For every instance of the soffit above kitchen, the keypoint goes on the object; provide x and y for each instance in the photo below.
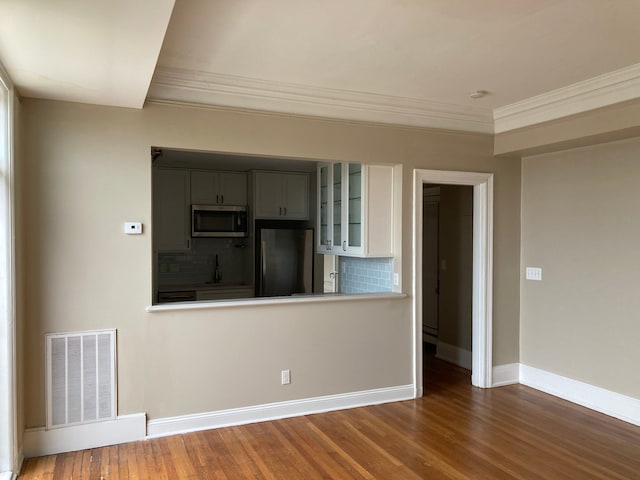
(192, 159)
(390, 61)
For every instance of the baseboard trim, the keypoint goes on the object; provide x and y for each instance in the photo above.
(507, 374)
(595, 398)
(452, 354)
(273, 411)
(8, 476)
(126, 428)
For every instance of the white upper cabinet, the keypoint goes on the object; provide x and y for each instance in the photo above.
(355, 209)
(281, 195)
(171, 210)
(218, 188)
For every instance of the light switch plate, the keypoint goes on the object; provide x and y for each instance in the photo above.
(533, 273)
(133, 228)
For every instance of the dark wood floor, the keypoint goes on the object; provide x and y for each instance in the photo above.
(455, 431)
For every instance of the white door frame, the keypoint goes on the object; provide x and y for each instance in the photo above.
(482, 314)
(8, 414)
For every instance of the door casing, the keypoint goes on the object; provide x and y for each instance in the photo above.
(482, 313)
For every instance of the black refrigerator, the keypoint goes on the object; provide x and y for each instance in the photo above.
(284, 260)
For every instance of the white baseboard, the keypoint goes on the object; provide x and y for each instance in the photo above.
(127, 428)
(507, 374)
(596, 398)
(8, 476)
(452, 354)
(272, 411)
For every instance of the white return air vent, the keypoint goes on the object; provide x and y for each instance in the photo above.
(80, 377)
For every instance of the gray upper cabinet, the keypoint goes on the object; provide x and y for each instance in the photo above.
(218, 188)
(171, 210)
(281, 195)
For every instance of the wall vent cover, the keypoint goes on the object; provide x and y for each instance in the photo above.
(80, 377)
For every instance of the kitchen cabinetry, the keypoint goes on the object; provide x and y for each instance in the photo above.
(218, 188)
(171, 210)
(280, 195)
(355, 210)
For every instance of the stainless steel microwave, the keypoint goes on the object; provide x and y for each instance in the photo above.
(219, 221)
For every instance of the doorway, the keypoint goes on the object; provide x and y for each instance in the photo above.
(481, 331)
(447, 267)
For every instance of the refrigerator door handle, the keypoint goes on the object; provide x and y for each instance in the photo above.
(263, 267)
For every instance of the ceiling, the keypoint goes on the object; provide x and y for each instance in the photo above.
(411, 62)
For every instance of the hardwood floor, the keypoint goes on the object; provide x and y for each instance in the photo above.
(455, 431)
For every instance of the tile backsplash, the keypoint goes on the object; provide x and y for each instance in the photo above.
(197, 265)
(366, 275)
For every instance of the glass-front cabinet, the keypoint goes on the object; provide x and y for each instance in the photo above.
(355, 213)
(330, 193)
(324, 236)
(343, 205)
(337, 182)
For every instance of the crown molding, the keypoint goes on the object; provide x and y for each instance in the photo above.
(601, 91)
(196, 87)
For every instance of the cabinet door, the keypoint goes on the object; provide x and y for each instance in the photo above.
(268, 195)
(337, 214)
(378, 224)
(353, 235)
(295, 196)
(331, 208)
(233, 188)
(324, 208)
(204, 188)
(171, 210)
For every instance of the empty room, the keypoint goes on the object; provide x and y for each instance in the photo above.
(375, 239)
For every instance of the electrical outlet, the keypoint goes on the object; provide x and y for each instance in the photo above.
(133, 228)
(286, 377)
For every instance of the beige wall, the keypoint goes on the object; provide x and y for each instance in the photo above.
(580, 223)
(87, 170)
(456, 281)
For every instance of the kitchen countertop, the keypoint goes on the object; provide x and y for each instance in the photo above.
(249, 302)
